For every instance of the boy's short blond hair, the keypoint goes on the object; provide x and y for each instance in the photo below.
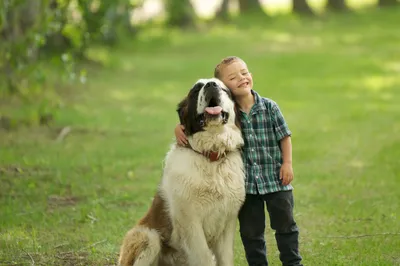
(224, 62)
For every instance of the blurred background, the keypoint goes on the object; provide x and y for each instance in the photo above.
(88, 96)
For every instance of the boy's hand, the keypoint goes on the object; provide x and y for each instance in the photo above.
(286, 174)
(180, 135)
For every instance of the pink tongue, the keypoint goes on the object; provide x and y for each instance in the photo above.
(214, 110)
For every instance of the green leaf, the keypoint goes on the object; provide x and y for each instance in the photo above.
(74, 34)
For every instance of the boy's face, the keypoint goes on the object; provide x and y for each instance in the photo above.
(237, 78)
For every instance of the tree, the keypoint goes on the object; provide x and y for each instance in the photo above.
(223, 10)
(250, 6)
(337, 5)
(180, 13)
(384, 3)
(302, 7)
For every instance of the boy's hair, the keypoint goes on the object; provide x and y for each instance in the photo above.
(224, 62)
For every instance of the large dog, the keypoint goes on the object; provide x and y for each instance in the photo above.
(193, 216)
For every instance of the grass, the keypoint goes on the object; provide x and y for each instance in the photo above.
(336, 80)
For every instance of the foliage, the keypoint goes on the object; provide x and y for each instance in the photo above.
(180, 13)
(62, 29)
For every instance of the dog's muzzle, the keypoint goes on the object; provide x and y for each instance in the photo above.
(213, 110)
(203, 117)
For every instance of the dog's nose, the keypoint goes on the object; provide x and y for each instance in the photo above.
(211, 84)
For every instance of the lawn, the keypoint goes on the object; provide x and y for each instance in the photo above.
(336, 80)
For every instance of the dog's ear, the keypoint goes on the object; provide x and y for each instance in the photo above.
(237, 116)
(184, 117)
(187, 111)
(182, 111)
(237, 111)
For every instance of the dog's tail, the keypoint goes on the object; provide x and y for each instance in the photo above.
(140, 247)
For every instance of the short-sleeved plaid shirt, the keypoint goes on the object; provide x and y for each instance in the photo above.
(262, 130)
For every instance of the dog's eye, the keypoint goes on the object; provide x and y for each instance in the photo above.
(227, 91)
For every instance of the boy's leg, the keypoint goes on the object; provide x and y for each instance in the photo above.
(252, 226)
(280, 208)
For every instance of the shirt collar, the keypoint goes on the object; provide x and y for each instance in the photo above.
(258, 102)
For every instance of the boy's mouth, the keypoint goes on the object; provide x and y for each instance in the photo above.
(244, 84)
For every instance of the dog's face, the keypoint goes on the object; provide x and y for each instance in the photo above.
(209, 103)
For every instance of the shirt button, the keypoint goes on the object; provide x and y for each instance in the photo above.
(252, 149)
(255, 163)
(250, 135)
(256, 176)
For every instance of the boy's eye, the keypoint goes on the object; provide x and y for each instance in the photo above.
(231, 78)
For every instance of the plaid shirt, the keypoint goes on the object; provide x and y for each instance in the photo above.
(262, 130)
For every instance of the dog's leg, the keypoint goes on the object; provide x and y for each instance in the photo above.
(191, 238)
(223, 248)
(195, 245)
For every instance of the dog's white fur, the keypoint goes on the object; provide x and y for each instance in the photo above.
(202, 198)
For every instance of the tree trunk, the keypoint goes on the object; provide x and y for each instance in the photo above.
(250, 6)
(336, 5)
(387, 3)
(302, 7)
(223, 11)
(180, 13)
(16, 31)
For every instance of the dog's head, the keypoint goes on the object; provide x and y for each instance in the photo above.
(208, 104)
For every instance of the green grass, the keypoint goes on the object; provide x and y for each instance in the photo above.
(336, 80)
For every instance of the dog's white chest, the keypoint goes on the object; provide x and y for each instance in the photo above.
(200, 182)
(213, 192)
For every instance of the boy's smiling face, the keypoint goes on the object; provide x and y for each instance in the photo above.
(237, 78)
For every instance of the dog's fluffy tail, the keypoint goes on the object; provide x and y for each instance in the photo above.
(141, 247)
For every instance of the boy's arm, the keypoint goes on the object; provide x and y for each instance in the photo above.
(180, 135)
(286, 172)
(286, 148)
(284, 136)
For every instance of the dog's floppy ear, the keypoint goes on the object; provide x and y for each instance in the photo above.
(182, 111)
(187, 110)
(185, 117)
(236, 109)
(237, 116)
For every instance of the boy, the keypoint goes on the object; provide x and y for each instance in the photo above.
(267, 157)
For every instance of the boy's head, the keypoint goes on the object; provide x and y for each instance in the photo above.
(234, 73)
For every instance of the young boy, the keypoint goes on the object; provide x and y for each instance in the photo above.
(267, 157)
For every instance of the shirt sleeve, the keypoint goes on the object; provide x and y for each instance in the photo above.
(281, 128)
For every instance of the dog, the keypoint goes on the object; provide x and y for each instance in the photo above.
(192, 219)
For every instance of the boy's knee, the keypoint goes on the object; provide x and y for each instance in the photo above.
(283, 223)
(250, 230)
(281, 216)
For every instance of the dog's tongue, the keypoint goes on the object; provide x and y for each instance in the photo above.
(214, 110)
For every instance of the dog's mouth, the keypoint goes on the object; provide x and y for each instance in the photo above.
(214, 112)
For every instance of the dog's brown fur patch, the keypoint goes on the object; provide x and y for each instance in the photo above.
(157, 218)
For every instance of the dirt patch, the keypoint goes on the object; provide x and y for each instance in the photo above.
(16, 170)
(71, 258)
(55, 201)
